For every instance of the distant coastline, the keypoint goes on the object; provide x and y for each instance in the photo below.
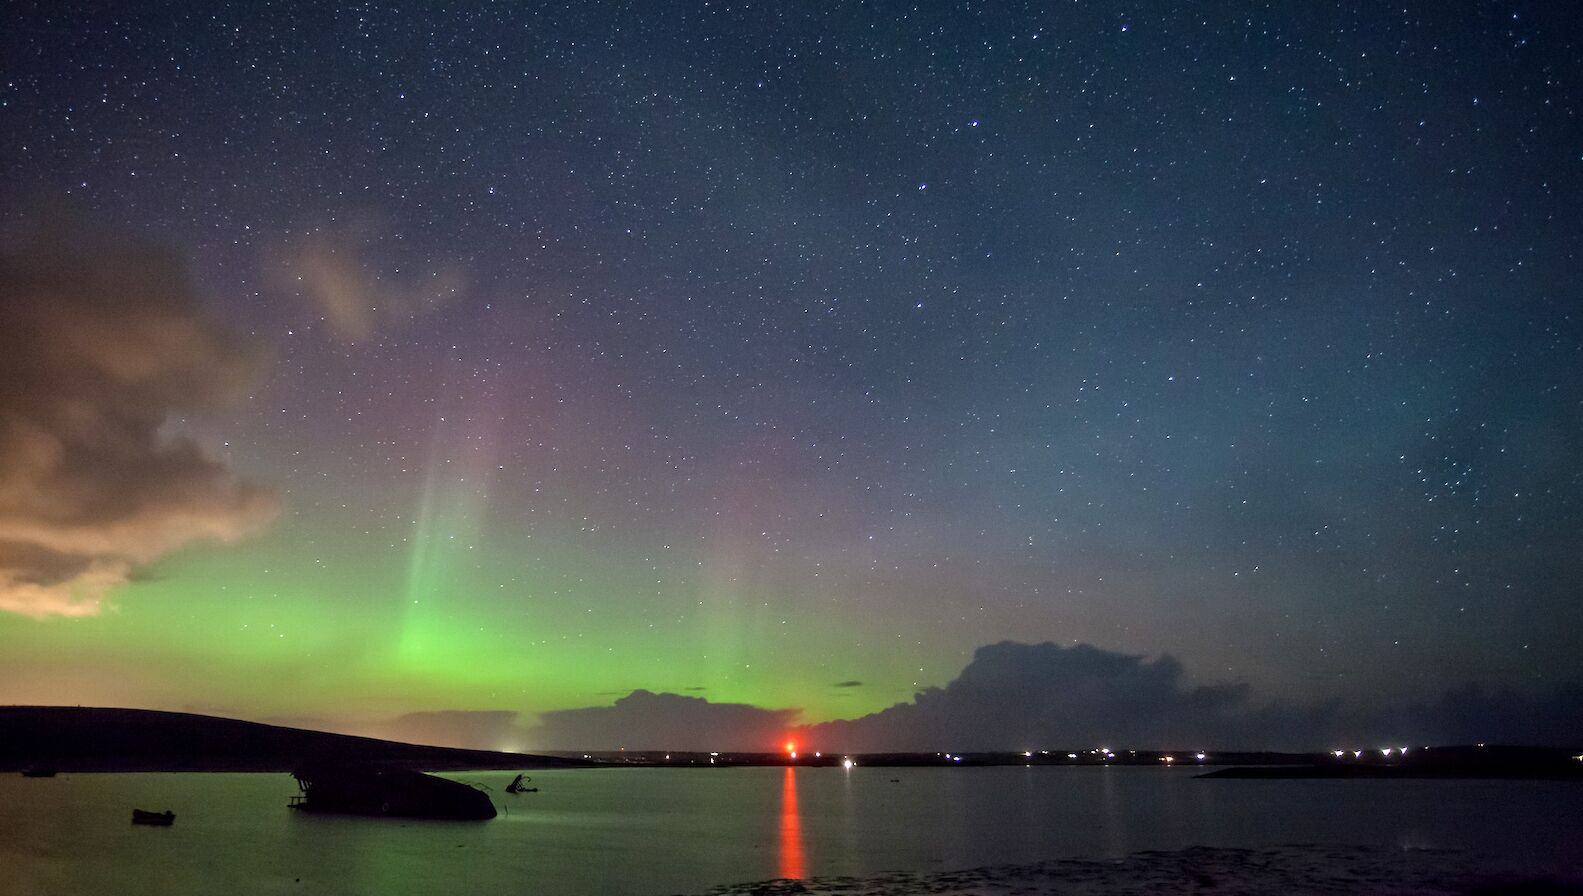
(97, 739)
(1476, 761)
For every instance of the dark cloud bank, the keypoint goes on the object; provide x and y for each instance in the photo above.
(1023, 696)
(646, 720)
(101, 345)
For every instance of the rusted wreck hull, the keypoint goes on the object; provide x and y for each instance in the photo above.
(372, 789)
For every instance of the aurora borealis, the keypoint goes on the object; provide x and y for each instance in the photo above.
(786, 354)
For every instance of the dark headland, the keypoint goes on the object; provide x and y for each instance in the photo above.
(93, 739)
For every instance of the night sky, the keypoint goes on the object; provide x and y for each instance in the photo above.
(378, 360)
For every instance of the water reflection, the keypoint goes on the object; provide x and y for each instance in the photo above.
(677, 830)
(791, 861)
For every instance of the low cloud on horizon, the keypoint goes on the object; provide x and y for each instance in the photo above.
(1012, 696)
(1015, 696)
(102, 344)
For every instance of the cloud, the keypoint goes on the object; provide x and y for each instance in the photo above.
(1054, 697)
(847, 684)
(1010, 697)
(644, 720)
(337, 272)
(1016, 696)
(1474, 714)
(101, 344)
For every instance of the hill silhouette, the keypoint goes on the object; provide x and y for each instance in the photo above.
(83, 739)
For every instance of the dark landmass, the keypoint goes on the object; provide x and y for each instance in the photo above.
(92, 739)
(1476, 761)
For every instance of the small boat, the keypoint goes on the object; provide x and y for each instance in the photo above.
(160, 819)
(516, 786)
(38, 771)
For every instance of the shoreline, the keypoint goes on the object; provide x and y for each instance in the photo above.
(1224, 871)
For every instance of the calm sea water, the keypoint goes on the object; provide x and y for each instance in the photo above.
(657, 831)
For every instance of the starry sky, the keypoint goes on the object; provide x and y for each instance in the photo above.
(786, 353)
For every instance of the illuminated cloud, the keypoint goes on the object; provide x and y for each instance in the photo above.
(338, 274)
(101, 345)
(644, 720)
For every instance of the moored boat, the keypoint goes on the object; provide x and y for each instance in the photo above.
(158, 819)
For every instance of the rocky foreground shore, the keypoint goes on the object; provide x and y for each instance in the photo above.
(1204, 870)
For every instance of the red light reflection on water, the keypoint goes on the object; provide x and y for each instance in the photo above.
(791, 864)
